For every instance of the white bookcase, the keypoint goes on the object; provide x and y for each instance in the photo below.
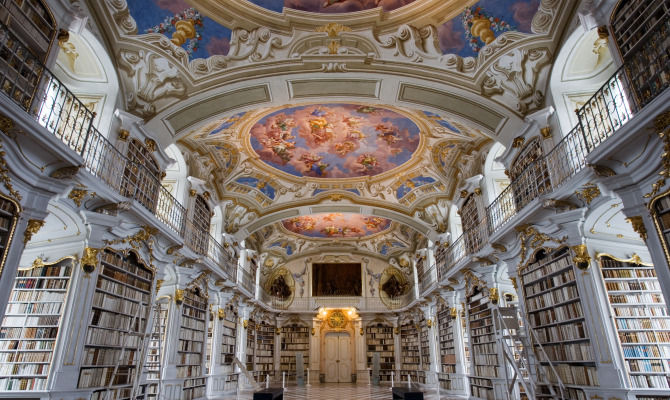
(191, 347)
(379, 339)
(30, 328)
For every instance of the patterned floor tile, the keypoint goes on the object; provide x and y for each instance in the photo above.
(342, 391)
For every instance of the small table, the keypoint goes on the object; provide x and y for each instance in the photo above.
(400, 393)
(269, 394)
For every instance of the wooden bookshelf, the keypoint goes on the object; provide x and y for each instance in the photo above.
(120, 309)
(156, 350)
(210, 337)
(552, 302)
(228, 336)
(446, 326)
(379, 339)
(425, 345)
(485, 361)
(641, 29)
(294, 339)
(251, 344)
(192, 336)
(410, 353)
(640, 317)
(31, 324)
(265, 349)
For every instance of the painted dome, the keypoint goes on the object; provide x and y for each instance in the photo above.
(336, 225)
(334, 140)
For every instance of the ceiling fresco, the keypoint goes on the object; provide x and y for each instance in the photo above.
(201, 37)
(331, 6)
(335, 140)
(336, 225)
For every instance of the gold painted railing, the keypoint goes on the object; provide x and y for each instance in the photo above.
(31, 86)
(611, 107)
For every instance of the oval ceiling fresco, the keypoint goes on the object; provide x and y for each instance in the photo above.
(336, 225)
(331, 6)
(334, 140)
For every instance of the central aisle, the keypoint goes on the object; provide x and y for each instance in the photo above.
(341, 391)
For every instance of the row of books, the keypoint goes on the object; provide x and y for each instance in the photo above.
(640, 311)
(549, 283)
(99, 336)
(23, 369)
(650, 381)
(41, 283)
(573, 374)
(27, 344)
(52, 307)
(555, 297)
(558, 333)
(559, 314)
(187, 333)
(654, 365)
(486, 370)
(52, 271)
(114, 304)
(28, 333)
(56, 295)
(630, 286)
(99, 377)
(26, 357)
(642, 323)
(123, 278)
(189, 358)
(644, 337)
(18, 384)
(45, 321)
(117, 261)
(186, 371)
(647, 351)
(109, 356)
(190, 346)
(121, 290)
(386, 331)
(193, 312)
(569, 352)
(113, 320)
(534, 273)
(486, 359)
(636, 298)
(628, 273)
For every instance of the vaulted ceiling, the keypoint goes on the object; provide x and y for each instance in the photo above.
(345, 124)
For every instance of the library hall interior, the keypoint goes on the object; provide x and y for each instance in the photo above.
(334, 199)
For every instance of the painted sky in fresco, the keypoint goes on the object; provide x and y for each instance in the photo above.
(336, 225)
(505, 15)
(214, 39)
(334, 140)
(331, 6)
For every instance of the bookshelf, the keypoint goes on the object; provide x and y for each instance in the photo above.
(485, 362)
(192, 332)
(228, 336)
(156, 350)
(425, 345)
(294, 339)
(265, 349)
(379, 339)
(8, 218)
(31, 324)
(446, 326)
(210, 337)
(410, 353)
(119, 313)
(554, 309)
(641, 320)
(660, 209)
(251, 344)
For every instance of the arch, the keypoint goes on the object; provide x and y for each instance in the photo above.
(84, 66)
(495, 179)
(176, 174)
(578, 72)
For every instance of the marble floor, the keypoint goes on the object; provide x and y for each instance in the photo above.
(341, 391)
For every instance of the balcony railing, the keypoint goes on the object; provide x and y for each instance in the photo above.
(29, 84)
(611, 107)
(361, 303)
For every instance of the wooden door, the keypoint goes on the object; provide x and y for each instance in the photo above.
(338, 357)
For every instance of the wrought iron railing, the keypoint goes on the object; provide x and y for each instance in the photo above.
(29, 84)
(427, 279)
(611, 107)
(362, 303)
(247, 281)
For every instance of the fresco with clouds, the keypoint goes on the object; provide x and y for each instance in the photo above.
(336, 225)
(466, 34)
(334, 140)
(161, 16)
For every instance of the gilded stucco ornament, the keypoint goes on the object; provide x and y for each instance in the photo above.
(123, 134)
(602, 171)
(493, 295)
(174, 249)
(221, 314)
(34, 225)
(78, 195)
(582, 259)
(159, 283)
(65, 172)
(638, 226)
(179, 296)
(546, 132)
(662, 126)
(453, 312)
(89, 259)
(518, 142)
(4, 177)
(333, 29)
(530, 236)
(588, 193)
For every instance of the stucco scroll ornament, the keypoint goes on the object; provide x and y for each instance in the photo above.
(544, 16)
(255, 45)
(413, 43)
(235, 216)
(515, 76)
(122, 17)
(148, 79)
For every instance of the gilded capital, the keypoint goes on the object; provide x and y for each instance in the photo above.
(34, 225)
